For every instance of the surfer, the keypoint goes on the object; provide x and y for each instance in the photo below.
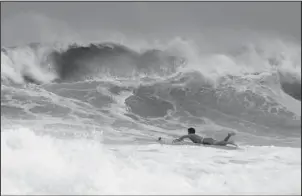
(206, 141)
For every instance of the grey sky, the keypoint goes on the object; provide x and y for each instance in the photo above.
(149, 18)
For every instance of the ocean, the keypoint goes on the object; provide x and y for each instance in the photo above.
(83, 118)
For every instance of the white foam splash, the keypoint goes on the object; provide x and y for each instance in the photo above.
(32, 164)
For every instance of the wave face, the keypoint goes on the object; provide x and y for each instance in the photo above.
(78, 63)
(115, 95)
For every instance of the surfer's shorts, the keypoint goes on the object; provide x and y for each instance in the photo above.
(208, 141)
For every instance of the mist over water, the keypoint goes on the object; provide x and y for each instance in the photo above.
(81, 110)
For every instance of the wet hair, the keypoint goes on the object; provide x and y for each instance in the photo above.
(191, 130)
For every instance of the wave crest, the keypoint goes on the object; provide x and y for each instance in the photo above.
(40, 63)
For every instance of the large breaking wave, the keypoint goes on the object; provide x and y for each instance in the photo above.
(78, 63)
(255, 87)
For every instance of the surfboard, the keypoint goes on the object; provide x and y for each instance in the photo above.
(165, 141)
(170, 142)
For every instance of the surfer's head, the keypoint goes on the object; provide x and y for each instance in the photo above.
(191, 130)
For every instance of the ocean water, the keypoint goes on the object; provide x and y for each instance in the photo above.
(83, 118)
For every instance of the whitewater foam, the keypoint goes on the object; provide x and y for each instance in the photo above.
(33, 164)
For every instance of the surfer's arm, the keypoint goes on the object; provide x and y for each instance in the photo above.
(181, 138)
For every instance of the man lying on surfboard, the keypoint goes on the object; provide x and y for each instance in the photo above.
(206, 141)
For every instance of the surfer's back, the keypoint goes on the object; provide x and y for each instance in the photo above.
(195, 138)
(192, 136)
